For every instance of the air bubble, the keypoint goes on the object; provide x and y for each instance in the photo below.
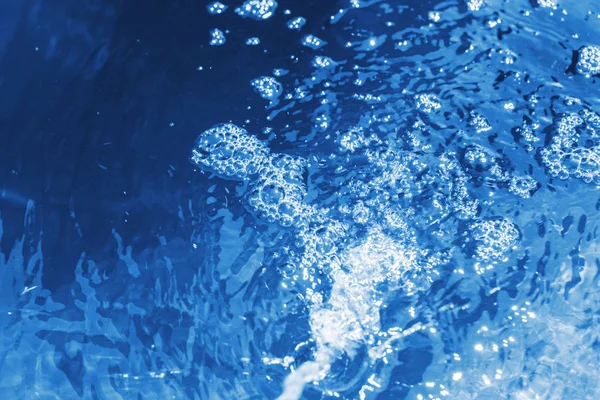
(574, 148)
(588, 62)
(322, 62)
(217, 37)
(313, 42)
(547, 3)
(427, 102)
(257, 9)
(216, 8)
(493, 238)
(230, 151)
(296, 23)
(253, 41)
(479, 122)
(523, 186)
(267, 87)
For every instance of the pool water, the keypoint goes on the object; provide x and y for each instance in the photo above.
(300, 200)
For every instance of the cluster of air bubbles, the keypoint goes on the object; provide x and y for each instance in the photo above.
(482, 163)
(547, 3)
(216, 8)
(267, 87)
(278, 192)
(479, 122)
(362, 274)
(588, 61)
(257, 9)
(427, 102)
(493, 238)
(354, 138)
(296, 23)
(574, 149)
(527, 133)
(523, 186)
(276, 189)
(313, 42)
(474, 5)
(217, 37)
(434, 16)
(230, 151)
(322, 62)
(253, 41)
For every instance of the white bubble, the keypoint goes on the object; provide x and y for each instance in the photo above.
(547, 3)
(474, 5)
(296, 23)
(323, 62)
(229, 151)
(479, 122)
(522, 186)
(217, 37)
(434, 16)
(267, 87)
(257, 9)
(574, 150)
(493, 237)
(427, 102)
(588, 62)
(313, 42)
(253, 41)
(216, 8)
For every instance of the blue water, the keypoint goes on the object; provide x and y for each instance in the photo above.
(299, 200)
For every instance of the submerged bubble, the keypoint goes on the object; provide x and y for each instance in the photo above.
(253, 41)
(547, 3)
(588, 62)
(278, 191)
(427, 102)
(313, 42)
(322, 62)
(474, 5)
(230, 151)
(257, 9)
(216, 8)
(574, 148)
(479, 122)
(267, 87)
(217, 37)
(493, 238)
(296, 23)
(523, 186)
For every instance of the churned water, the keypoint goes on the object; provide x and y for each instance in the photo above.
(354, 199)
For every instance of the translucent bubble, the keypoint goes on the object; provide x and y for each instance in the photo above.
(217, 37)
(267, 87)
(574, 148)
(588, 62)
(547, 3)
(279, 190)
(230, 151)
(257, 9)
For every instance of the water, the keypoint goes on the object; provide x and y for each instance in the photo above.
(317, 200)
